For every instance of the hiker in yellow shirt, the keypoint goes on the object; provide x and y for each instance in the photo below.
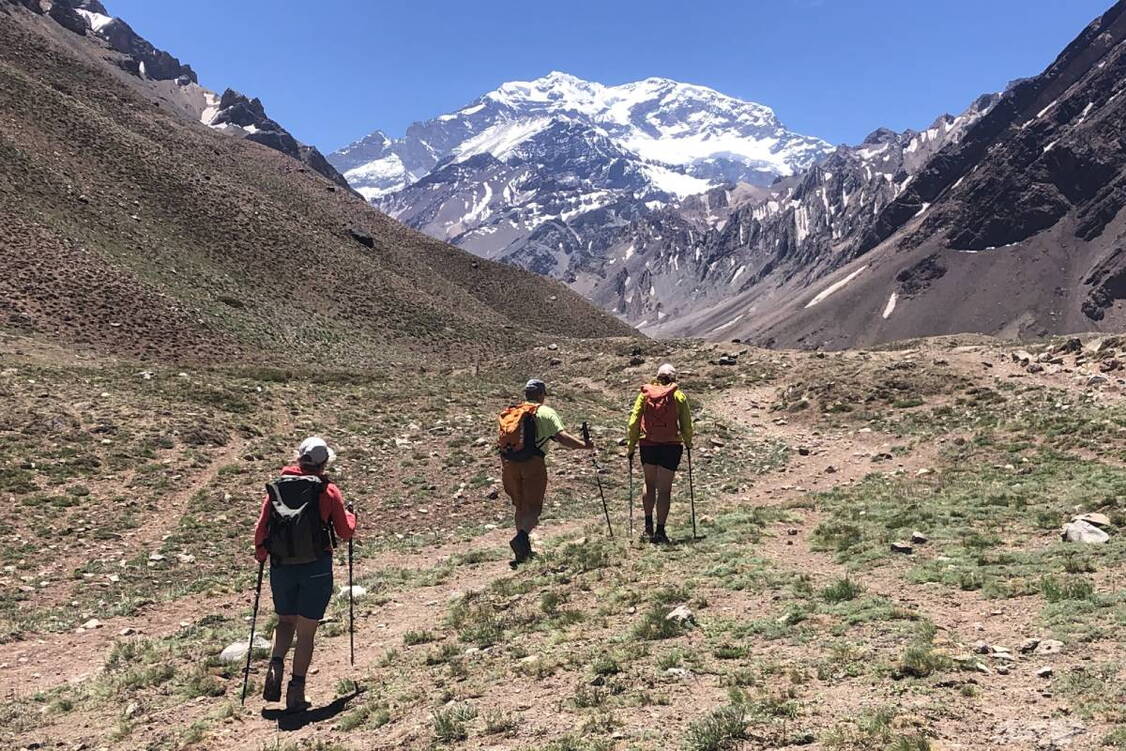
(661, 421)
(526, 432)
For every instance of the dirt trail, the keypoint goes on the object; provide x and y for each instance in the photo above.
(45, 661)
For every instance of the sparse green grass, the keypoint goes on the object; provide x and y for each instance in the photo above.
(720, 730)
(413, 638)
(655, 624)
(450, 723)
(499, 723)
(842, 590)
(373, 713)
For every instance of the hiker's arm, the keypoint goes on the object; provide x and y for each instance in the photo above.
(343, 520)
(568, 440)
(261, 529)
(684, 416)
(635, 423)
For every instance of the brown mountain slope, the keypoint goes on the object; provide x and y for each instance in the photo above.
(132, 228)
(1017, 229)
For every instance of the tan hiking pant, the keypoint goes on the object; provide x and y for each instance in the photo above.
(526, 485)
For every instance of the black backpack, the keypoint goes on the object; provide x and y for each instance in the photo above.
(297, 534)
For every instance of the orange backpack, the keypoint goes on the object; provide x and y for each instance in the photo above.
(659, 418)
(517, 441)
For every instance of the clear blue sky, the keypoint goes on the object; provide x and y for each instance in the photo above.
(333, 70)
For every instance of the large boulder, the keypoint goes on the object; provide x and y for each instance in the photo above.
(1083, 532)
(235, 653)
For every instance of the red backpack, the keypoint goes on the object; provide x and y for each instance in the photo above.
(659, 417)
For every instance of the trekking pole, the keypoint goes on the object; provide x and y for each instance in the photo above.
(351, 607)
(598, 479)
(631, 497)
(692, 493)
(253, 623)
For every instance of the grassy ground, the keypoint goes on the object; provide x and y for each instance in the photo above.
(796, 623)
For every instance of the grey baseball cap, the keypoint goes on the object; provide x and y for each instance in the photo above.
(535, 386)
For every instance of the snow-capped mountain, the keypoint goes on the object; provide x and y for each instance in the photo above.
(540, 173)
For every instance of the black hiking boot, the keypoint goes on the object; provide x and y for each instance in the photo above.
(271, 688)
(647, 535)
(521, 547)
(659, 537)
(295, 700)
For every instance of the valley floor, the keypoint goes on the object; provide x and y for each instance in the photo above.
(131, 491)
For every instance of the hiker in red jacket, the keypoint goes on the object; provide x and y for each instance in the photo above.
(300, 546)
(661, 421)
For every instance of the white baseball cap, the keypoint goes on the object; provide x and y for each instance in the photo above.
(667, 370)
(315, 452)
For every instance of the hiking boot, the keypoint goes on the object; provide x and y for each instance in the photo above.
(521, 547)
(647, 535)
(659, 537)
(295, 695)
(271, 688)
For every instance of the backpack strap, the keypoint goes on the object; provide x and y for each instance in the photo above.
(327, 524)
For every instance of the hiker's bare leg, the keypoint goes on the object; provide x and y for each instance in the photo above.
(664, 493)
(283, 635)
(303, 652)
(650, 497)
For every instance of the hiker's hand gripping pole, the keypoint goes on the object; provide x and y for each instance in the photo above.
(598, 478)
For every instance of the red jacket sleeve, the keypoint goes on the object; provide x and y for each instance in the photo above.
(261, 529)
(343, 520)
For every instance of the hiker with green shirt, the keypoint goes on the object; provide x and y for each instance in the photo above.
(526, 430)
(661, 422)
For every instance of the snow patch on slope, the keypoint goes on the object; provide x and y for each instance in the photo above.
(834, 287)
(890, 307)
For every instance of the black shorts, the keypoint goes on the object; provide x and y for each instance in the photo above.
(665, 455)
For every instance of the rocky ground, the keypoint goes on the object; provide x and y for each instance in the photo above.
(879, 561)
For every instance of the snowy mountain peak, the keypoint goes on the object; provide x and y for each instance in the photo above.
(543, 172)
(690, 137)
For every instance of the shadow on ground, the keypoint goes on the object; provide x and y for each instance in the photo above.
(290, 721)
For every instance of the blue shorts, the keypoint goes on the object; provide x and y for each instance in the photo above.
(302, 589)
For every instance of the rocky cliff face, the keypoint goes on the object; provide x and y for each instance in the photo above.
(672, 263)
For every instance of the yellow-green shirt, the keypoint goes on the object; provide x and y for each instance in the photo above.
(548, 424)
(683, 415)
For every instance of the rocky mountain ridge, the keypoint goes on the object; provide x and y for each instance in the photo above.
(232, 112)
(135, 231)
(673, 262)
(1016, 228)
